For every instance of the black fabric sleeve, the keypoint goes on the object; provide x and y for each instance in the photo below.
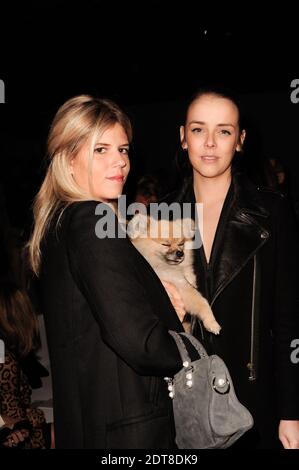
(106, 273)
(286, 327)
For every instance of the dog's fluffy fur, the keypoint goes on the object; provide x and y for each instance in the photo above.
(164, 244)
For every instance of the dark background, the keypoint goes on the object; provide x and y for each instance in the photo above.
(149, 57)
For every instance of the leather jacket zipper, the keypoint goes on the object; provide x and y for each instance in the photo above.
(252, 365)
(254, 337)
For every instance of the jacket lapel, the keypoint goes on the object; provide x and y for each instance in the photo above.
(246, 230)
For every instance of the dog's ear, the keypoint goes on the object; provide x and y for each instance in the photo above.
(188, 227)
(137, 226)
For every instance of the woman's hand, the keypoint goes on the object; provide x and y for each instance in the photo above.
(16, 437)
(289, 433)
(176, 299)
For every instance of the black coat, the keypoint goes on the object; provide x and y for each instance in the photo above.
(254, 267)
(107, 318)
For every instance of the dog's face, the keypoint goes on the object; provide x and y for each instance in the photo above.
(172, 249)
(161, 238)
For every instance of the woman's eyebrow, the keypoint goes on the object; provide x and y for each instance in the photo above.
(220, 125)
(226, 125)
(108, 145)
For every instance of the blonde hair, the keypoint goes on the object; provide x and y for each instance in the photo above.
(79, 119)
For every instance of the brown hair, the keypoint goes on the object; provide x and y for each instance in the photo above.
(183, 166)
(18, 322)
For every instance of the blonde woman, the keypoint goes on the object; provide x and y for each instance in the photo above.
(107, 315)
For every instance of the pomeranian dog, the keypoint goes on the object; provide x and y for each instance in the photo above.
(166, 245)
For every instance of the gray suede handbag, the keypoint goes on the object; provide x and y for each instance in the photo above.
(207, 413)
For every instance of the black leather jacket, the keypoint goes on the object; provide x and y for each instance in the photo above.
(253, 291)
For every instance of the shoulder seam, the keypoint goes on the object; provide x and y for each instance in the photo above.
(270, 191)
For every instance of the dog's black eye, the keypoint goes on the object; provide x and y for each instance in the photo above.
(166, 244)
(181, 244)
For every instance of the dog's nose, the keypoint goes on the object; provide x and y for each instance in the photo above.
(179, 254)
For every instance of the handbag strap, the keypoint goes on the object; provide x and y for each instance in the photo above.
(197, 344)
(182, 348)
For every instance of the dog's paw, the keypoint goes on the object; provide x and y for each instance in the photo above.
(212, 326)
